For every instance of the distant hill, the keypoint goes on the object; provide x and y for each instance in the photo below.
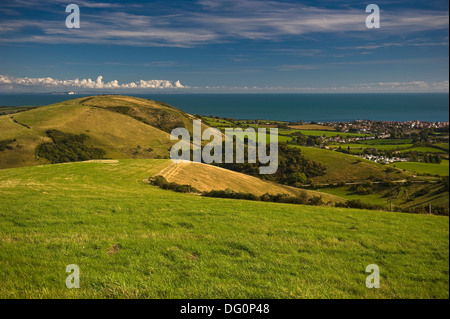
(122, 126)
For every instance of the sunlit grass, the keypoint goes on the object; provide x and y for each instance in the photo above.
(133, 240)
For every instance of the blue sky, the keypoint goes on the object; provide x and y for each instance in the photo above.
(224, 46)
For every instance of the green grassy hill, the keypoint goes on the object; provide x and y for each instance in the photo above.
(157, 114)
(346, 168)
(134, 240)
(125, 127)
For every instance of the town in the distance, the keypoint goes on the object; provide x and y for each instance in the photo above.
(384, 142)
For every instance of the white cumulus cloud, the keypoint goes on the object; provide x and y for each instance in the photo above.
(49, 82)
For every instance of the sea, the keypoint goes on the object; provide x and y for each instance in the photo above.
(428, 107)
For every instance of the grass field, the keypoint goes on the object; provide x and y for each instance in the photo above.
(343, 192)
(323, 133)
(424, 150)
(281, 138)
(425, 168)
(403, 145)
(218, 123)
(383, 141)
(360, 147)
(444, 146)
(131, 240)
(223, 124)
(316, 127)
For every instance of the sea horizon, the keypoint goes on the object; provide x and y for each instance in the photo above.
(309, 107)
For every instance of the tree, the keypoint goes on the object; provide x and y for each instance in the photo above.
(296, 178)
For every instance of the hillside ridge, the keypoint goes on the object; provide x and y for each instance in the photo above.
(206, 178)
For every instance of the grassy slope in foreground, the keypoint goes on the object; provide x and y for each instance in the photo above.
(131, 239)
